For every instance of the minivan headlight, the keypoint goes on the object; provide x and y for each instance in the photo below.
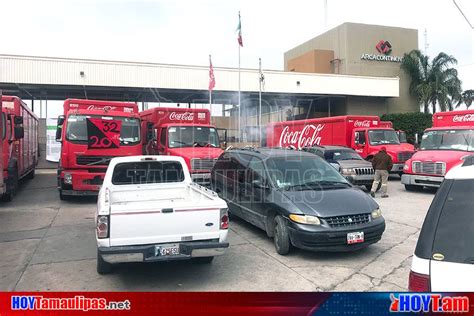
(376, 213)
(305, 219)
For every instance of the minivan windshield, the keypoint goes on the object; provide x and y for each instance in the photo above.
(303, 172)
(383, 137)
(455, 229)
(192, 136)
(76, 128)
(457, 139)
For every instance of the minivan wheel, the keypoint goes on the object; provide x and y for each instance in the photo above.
(282, 236)
(103, 267)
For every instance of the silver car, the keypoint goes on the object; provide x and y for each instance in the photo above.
(351, 165)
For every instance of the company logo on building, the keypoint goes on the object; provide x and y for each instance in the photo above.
(385, 49)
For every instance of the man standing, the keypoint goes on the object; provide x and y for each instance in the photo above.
(382, 163)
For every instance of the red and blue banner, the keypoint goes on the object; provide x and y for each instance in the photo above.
(242, 303)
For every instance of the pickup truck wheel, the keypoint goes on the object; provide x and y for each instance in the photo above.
(282, 236)
(203, 259)
(102, 266)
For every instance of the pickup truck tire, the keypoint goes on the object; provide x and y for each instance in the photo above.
(203, 260)
(102, 266)
(282, 236)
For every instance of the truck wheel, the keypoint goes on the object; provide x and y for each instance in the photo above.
(282, 236)
(12, 185)
(31, 174)
(203, 260)
(412, 188)
(102, 266)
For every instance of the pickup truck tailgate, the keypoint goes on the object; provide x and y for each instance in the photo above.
(140, 217)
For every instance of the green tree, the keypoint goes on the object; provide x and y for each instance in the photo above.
(434, 82)
(467, 97)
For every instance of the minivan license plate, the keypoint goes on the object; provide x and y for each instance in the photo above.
(168, 250)
(354, 238)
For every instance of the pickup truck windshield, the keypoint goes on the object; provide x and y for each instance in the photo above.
(383, 137)
(76, 129)
(300, 173)
(448, 140)
(147, 172)
(192, 136)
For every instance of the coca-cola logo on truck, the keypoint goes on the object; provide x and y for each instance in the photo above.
(105, 108)
(308, 136)
(463, 118)
(365, 123)
(185, 116)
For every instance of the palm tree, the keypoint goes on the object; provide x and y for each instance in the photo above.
(434, 83)
(467, 97)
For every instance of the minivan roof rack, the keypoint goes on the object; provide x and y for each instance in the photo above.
(468, 161)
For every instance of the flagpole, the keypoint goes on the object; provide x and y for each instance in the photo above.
(260, 99)
(210, 90)
(240, 139)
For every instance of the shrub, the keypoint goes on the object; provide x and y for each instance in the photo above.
(412, 123)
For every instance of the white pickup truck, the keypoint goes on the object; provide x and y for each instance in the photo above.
(149, 210)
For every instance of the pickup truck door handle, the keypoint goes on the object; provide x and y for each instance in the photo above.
(167, 210)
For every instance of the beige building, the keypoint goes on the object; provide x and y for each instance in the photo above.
(360, 50)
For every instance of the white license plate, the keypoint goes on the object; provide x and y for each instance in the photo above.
(355, 238)
(167, 250)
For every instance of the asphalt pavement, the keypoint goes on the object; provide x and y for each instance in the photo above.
(49, 245)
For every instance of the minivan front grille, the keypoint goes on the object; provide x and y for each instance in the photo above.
(364, 171)
(93, 160)
(404, 156)
(202, 164)
(348, 220)
(434, 168)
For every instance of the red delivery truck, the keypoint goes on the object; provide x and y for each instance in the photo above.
(365, 134)
(91, 133)
(186, 133)
(442, 147)
(19, 143)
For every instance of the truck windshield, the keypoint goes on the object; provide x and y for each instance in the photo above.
(448, 140)
(383, 137)
(303, 173)
(76, 129)
(192, 136)
(402, 136)
(147, 172)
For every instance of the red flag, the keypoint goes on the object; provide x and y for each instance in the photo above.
(212, 79)
(239, 35)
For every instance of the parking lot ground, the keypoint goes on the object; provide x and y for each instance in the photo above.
(49, 245)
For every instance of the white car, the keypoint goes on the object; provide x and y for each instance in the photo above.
(149, 210)
(444, 256)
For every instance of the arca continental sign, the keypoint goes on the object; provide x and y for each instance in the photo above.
(384, 48)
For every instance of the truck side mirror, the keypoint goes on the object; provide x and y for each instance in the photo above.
(19, 132)
(149, 131)
(60, 120)
(18, 120)
(58, 133)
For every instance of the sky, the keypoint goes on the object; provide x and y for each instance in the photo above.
(186, 31)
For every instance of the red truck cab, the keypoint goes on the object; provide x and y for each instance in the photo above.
(19, 144)
(83, 164)
(442, 147)
(183, 132)
(365, 134)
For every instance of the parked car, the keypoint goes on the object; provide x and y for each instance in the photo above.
(444, 255)
(297, 198)
(351, 165)
(149, 210)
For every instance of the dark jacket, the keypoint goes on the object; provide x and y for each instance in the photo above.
(382, 161)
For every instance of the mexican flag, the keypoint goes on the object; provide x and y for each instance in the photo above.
(239, 34)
